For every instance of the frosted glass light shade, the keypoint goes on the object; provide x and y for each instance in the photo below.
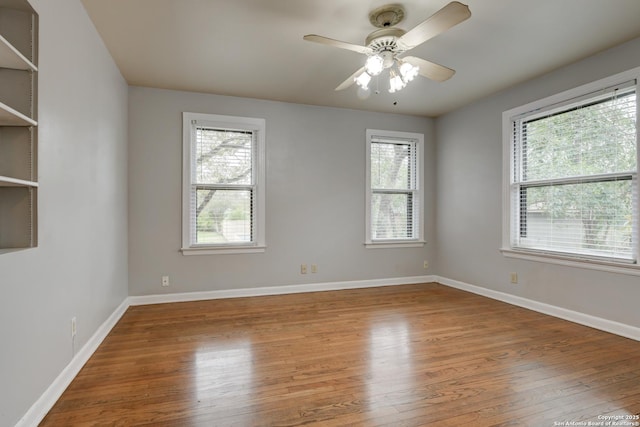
(374, 65)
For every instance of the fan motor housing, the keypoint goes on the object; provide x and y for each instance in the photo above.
(384, 39)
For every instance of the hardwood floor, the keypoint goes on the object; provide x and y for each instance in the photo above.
(412, 355)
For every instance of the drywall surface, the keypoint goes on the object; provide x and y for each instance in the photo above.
(315, 196)
(79, 268)
(469, 208)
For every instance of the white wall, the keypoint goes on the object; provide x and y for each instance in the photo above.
(80, 266)
(469, 208)
(315, 196)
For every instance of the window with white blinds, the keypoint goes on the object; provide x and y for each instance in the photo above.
(223, 179)
(394, 193)
(573, 177)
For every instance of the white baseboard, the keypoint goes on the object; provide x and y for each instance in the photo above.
(277, 290)
(606, 325)
(41, 407)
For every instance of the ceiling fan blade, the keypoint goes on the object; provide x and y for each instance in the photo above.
(337, 43)
(429, 69)
(350, 80)
(450, 15)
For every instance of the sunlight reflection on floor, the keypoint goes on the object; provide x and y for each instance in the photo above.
(224, 374)
(390, 360)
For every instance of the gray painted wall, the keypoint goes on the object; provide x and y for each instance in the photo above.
(80, 266)
(469, 201)
(315, 196)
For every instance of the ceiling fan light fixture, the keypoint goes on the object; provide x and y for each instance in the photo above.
(395, 82)
(363, 80)
(374, 65)
(408, 71)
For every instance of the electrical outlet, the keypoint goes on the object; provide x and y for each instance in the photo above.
(514, 278)
(314, 268)
(73, 327)
(426, 264)
(303, 268)
(165, 281)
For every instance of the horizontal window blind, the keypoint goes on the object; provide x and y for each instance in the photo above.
(393, 189)
(222, 186)
(574, 176)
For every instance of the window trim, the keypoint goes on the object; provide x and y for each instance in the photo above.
(557, 101)
(418, 220)
(257, 125)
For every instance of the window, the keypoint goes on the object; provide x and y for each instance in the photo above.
(573, 163)
(394, 194)
(223, 184)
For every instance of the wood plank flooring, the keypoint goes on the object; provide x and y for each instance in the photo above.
(412, 355)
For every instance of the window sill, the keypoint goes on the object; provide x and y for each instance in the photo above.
(632, 269)
(212, 250)
(388, 244)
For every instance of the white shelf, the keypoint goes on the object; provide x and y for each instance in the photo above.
(6, 181)
(18, 125)
(10, 57)
(11, 117)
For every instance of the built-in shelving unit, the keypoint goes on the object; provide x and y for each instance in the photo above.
(18, 124)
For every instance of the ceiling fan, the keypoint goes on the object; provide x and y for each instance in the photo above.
(385, 46)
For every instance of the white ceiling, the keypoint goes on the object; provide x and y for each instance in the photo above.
(254, 48)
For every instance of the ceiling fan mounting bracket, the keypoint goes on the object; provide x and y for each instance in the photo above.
(386, 16)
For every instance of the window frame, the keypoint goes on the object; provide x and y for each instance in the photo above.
(417, 220)
(509, 223)
(215, 121)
